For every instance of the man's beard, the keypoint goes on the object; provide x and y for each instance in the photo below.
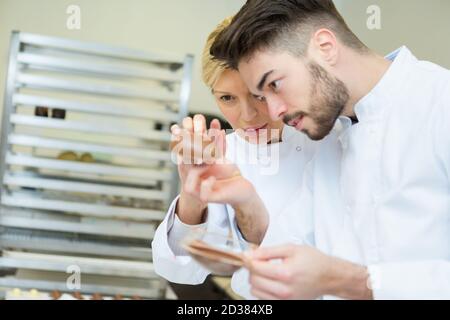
(329, 96)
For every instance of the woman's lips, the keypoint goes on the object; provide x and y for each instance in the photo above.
(255, 129)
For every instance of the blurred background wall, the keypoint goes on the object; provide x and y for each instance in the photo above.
(181, 26)
(422, 25)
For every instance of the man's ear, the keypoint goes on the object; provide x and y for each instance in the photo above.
(324, 46)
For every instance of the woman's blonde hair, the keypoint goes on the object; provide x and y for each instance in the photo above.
(211, 68)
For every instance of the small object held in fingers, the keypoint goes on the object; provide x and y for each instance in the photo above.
(201, 247)
(198, 149)
(218, 261)
(201, 165)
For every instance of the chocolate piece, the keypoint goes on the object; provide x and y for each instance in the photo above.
(41, 111)
(97, 296)
(59, 113)
(55, 294)
(78, 296)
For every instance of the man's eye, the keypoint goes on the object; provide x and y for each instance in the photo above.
(226, 98)
(261, 98)
(275, 85)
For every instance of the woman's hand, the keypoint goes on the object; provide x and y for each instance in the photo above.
(192, 147)
(207, 176)
(223, 183)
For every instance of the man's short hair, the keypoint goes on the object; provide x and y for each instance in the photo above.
(279, 24)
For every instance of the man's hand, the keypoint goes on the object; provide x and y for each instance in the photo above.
(303, 272)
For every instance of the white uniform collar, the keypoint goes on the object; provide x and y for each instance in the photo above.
(371, 106)
(376, 100)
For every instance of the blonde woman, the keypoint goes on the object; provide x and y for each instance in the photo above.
(272, 163)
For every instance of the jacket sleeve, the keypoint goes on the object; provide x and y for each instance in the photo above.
(170, 260)
(295, 223)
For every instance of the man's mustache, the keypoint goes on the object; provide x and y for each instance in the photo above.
(289, 117)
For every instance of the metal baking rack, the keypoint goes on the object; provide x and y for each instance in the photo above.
(86, 174)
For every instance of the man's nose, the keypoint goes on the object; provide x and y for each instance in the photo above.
(277, 107)
(248, 111)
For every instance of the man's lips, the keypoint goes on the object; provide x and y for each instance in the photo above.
(297, 122)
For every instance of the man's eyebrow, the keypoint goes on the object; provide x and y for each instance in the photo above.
(263, 80)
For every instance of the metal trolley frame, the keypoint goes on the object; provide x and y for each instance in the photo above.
(85, 171)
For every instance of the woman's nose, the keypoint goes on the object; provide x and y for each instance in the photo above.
(248, 111)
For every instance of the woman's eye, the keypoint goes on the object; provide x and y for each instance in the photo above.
(260, 98)
(226, 98)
